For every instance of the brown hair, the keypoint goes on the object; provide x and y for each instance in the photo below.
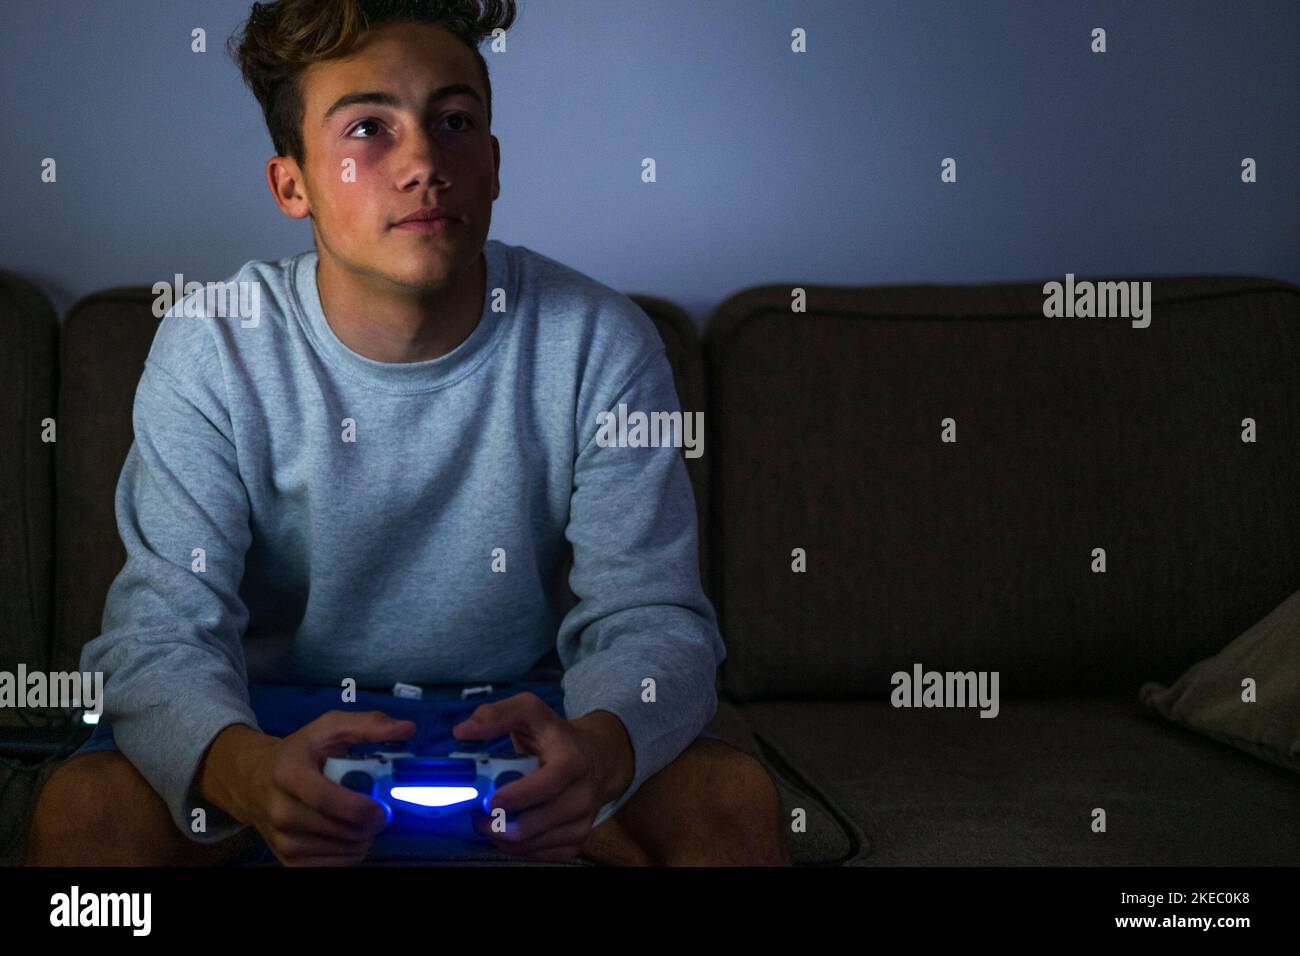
(282, 38)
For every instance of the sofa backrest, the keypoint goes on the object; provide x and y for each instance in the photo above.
(28, 377)
(103, 345)
(1072, 434)
(823, 433)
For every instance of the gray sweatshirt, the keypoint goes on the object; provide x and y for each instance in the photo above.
(295, 512)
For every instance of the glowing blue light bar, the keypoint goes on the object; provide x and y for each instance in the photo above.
(434, 796)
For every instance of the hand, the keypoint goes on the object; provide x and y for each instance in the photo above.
(584, 764)
(276, 784)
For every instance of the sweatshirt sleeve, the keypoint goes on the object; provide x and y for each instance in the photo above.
(642, 642)
(171, 641)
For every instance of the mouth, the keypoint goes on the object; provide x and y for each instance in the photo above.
(430, 227)
(429, 222)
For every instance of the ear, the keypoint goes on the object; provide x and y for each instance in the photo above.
(285, 179)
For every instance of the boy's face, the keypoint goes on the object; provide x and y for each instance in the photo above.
(416, 152)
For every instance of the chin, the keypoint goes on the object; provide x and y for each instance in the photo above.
(429, 276)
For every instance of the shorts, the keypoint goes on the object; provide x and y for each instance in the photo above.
(282, 709)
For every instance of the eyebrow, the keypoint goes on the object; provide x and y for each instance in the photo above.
(380, 98)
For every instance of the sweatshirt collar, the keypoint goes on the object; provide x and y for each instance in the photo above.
(403, 377)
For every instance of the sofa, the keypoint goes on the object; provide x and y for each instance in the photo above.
(843, 540)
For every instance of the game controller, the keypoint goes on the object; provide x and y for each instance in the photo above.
(419, 788)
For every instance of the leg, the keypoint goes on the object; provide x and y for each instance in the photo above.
(96, 810)
(714, 805)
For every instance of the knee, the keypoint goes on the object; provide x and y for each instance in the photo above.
(745, 810)
(64, 817)
(81, 817)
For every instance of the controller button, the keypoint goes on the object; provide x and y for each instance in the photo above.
(359, 781)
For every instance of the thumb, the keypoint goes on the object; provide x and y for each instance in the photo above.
(489, 721)
(339, 729)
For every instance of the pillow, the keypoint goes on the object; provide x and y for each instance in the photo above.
(1208, 698)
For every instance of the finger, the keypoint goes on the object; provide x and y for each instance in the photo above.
(574, 835)
(305, 850)
(301, 778)
(332, 733)
(353, 811)
(571, 834)
(293, 843)
(526, 713)
(568, 808)
(538, 788)
(298, 816)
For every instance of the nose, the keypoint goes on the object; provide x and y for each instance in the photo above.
(420, 160)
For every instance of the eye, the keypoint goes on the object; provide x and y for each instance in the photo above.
(364, 122)
(463, 118)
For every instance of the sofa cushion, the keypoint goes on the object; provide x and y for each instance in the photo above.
(945, 786)
(1072, 434)
(1208, 698)
(826, 839)
(18, 790)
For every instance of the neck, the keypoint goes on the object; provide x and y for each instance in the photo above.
(388, 323)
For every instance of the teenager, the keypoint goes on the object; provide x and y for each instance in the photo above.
(379, 478)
